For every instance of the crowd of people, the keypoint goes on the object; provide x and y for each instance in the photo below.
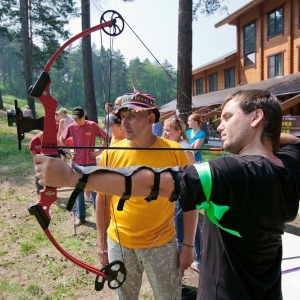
(148, 217)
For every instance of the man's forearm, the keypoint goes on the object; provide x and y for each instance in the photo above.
(142, 183)
(56, 173)
(190, 220)
(62, 141)
(102, 219)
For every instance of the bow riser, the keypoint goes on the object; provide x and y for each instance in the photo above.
(41, 91)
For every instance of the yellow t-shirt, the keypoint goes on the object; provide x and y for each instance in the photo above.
(141, 222)
(113, 141)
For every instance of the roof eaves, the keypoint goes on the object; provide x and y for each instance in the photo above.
(278, 86)
(231, 19)
(215, 62)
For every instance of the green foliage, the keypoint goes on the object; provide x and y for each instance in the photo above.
(209, 7)
(112, 78)
(11, 78)
(47, 20)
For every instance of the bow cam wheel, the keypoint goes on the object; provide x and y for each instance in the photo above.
(118, 22)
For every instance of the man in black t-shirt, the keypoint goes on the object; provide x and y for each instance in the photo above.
(248, 197)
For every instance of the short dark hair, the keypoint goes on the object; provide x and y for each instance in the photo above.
(251, 100)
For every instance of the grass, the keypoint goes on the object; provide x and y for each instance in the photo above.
(9, 103)
(208, 155)
(27, 256)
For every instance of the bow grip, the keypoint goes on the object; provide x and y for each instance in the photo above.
(39, 86)
(39, 213)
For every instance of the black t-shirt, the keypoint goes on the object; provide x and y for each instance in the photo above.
(262, 198)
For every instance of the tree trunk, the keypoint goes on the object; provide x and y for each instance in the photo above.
(26, 52)
(88, 78)
(184, 59)
(1, 101)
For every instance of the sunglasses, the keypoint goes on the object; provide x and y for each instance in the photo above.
(175, 118)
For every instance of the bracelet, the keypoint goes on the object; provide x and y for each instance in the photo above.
(188, 246)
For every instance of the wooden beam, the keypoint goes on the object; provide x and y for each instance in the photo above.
(290, 102)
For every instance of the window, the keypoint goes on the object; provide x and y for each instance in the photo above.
(275, 65)
(213, 82)
(229, 78)
(298, 59)
(275, 22)
(249, 45)
(298, 13)
(199, 86)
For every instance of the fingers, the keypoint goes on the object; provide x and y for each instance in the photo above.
(54, 172)
(183, 267)
(38, 158)
(103, 257)
(186, 257)
(94, 154)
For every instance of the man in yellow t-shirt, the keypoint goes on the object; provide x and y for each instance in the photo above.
(142, 234)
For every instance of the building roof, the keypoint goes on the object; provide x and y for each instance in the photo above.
(232, 18)
(277, 86)
(218, 61)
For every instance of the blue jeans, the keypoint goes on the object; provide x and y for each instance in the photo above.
(81, 211)
(179, 232)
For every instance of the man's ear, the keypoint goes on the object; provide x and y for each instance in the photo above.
(258, 116)
(152, 118)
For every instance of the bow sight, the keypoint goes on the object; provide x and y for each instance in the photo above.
(24, 124)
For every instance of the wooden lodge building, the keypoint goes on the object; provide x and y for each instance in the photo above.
(267, 57)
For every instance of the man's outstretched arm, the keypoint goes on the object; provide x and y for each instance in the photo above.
(57, 173)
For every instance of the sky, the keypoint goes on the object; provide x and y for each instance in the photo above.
(155, 22)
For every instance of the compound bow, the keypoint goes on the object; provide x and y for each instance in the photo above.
(115, 272)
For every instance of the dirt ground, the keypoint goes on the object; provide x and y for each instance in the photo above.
(32, 266)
